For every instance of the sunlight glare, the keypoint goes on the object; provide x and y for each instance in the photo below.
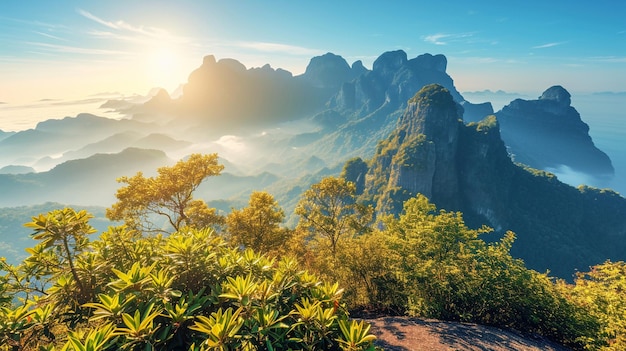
(165, 68)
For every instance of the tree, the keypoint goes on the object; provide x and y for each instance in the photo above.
(258, 225)
(329, 209)
(602, 293)
(169, 195)
(63, 234)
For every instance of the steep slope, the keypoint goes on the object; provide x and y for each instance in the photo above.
(466, 168)
(548, 133)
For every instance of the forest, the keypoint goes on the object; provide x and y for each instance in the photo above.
(176, 274)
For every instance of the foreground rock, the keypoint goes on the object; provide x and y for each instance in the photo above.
(407, 334)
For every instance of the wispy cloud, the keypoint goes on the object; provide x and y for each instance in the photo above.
(122, 30)
(279, 48)
(50, 36)
(75, 50)
(445, 38)
(121, 25)
(549, 45)
(609, 59)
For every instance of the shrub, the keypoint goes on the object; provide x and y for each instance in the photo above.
(186, 291)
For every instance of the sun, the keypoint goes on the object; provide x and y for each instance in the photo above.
(164, 67)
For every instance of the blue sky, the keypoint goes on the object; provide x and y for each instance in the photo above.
(61, 49)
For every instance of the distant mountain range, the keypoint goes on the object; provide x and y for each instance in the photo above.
(280, 132)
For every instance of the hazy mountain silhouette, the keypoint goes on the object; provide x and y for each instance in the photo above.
(548, 133)
(4, 135)
(332, 112)
(54, 137)
(10, 169)
(89, 181)
(341, 111)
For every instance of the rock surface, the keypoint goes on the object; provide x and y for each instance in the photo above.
(412, 334)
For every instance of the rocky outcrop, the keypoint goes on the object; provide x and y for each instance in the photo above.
(420, 156)
(331, 71)
(466, 168)
(394, 79)
(548, 133)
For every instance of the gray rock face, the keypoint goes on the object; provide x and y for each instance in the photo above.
(394, 79)
(557, 93)
(427, 61)
(424, 156)
(328, 71)
(548, 133)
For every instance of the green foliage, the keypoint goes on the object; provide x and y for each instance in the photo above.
(192, 290)
(486, 124)
(330, 212)
(428, 263)
(602, 292)
(452, 274)
(258, 225)
(188, 290)
(432, 95)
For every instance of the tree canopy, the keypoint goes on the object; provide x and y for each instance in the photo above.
(169, 195)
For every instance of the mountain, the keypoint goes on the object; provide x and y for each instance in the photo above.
(467, 168)
(226, 96)
(54, 137)
(548, 133)
(4, 135)
(89, 181)
(10, 169)
(367, 108)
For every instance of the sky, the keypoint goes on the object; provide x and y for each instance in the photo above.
(75, 49)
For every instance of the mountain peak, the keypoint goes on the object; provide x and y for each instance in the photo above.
(548, 133)
(433, 112)
(427, 61)
(390, 61)
(329, 71)
(558, 94)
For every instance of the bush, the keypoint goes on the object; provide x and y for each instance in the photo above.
(186, 291)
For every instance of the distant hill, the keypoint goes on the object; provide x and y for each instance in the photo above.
(55, 137)
(89, 181)
(11, 169)
(4, 134)
(467, 168)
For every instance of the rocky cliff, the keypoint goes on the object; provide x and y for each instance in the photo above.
(394, 79)
(548, 133)
(467, 168)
